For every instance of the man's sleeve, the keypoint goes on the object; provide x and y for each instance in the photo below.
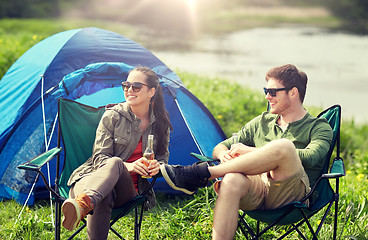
(321, 140)
(245, 134)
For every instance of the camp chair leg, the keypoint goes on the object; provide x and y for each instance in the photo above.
(292, 228)
(79, 229)
(324, 217)
(116, 233)
(274, 222)
(309, 226)
(57, 220)
(336, 207)
(248, 230)
(242, 230)
(259, 233)
(300, 233)
(335, 221)
(138, 222)
(295, 227)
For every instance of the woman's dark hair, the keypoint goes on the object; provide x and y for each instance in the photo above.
(157, 103)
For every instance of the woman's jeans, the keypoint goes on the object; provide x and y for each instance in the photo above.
(109, 186)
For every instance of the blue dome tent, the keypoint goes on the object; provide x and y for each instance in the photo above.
(86, 65)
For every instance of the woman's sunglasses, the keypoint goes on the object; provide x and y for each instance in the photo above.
(273, 91)
(136, 86)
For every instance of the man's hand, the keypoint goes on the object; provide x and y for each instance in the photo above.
(238, 149)
(224, 156)
(235, 151)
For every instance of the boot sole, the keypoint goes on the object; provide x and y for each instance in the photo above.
(171, 184)
(71, 213)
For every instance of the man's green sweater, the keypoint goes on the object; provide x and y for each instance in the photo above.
(311, 136)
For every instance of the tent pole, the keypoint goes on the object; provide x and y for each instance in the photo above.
(25, 203)
(47, 144)
(190, 130)
(57, 202)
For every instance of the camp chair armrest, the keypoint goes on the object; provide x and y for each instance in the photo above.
(337, 169)
(202, 158)
(36, 163)
(332, 175)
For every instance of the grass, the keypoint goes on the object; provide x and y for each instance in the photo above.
(18, 35)
(190, 217)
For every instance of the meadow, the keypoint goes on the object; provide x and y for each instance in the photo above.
(181, 216)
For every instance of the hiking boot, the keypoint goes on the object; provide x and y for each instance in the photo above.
(75, 210)
(186, 178)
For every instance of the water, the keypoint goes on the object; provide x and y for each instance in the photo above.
(336, 63)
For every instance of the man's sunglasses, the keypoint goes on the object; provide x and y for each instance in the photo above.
(136, 86)
(273, 91)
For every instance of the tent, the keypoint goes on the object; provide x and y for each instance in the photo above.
(64, 65)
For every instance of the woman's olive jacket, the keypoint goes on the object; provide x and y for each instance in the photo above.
(117, 135)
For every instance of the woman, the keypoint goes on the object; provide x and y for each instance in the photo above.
(112, 176)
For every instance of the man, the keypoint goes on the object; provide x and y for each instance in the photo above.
(278, 155)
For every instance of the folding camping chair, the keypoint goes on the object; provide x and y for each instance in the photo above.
(77, 128)
(322, 195)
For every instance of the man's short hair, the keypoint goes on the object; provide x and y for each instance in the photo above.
(290, 76)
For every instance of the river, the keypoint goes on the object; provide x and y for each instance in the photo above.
(336, 63)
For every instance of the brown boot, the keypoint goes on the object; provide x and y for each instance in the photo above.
(75, 210)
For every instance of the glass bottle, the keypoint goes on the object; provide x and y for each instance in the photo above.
(235, 138)
(149, 153)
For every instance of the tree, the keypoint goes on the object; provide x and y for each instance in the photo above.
(354, 13)
(29, 8)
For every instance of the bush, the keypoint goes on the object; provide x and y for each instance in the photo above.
(354, 13)
(29, 8)
(231, 104)
(12, 47)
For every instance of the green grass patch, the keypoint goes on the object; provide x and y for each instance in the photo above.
(19, 35)
(190, 217)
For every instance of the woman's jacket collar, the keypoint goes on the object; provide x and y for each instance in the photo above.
(124, 110)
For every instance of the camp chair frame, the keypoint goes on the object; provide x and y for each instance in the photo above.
(298, 212)
(36, 164)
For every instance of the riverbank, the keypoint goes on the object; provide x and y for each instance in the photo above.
(188, 18)
(167, 24)
(253, 17)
